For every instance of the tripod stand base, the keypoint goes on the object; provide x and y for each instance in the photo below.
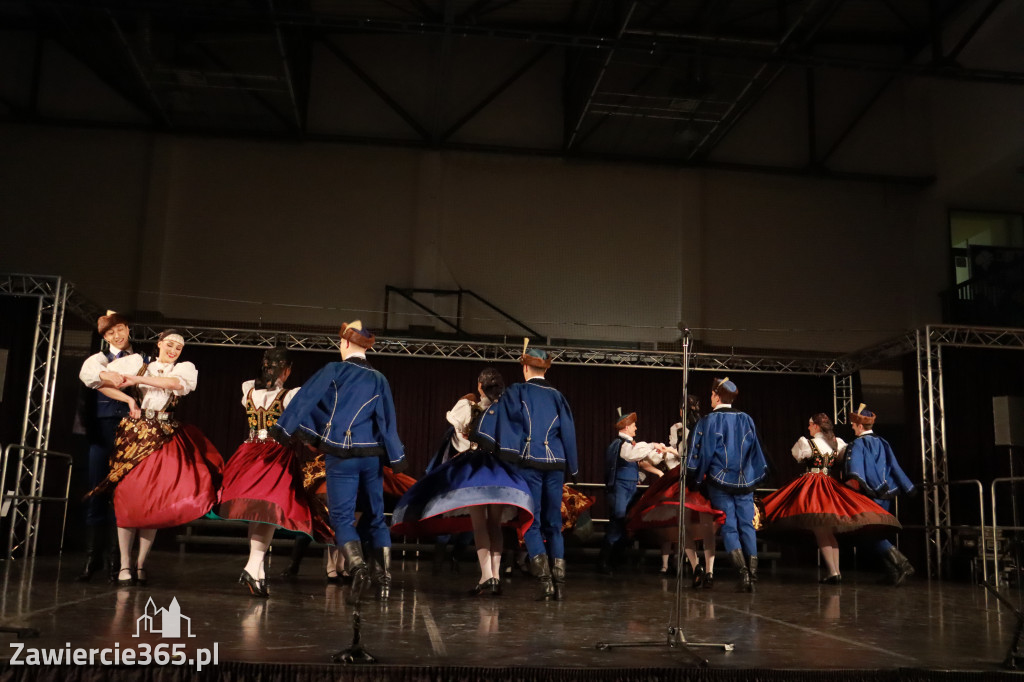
(675, 639)
(354, 654)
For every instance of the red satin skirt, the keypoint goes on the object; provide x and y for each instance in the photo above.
(176, 484)
(263, 483)
(395, 485)
(658, 507)
(819, 501)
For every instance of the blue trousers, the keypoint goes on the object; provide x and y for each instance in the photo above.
(618, 501)
(346, 477)
(546, 490)
(738, 530)
(99, 509)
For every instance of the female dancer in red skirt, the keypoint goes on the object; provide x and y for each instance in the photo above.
(818, 503)
(263, 480)
(166, 473)
(659, 508)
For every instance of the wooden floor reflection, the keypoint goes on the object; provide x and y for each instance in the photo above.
(791, 622)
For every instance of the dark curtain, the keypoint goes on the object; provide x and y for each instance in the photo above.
(425, 388)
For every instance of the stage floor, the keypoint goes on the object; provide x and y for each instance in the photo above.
(791, 622)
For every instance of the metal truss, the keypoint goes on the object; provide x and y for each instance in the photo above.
(51, 294)
(891, 348)
(495, 352)
(932, 408)
(842, 398)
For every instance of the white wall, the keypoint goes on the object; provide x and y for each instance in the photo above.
(231, 230)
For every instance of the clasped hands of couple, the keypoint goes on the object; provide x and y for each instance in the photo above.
(121, 381)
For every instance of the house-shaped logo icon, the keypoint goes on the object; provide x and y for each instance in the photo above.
(164, 622)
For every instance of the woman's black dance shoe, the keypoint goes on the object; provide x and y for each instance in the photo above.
(494, 586)
(254, 586)
(126, 582)
(836, 579)
(699, 577)
(141, 577)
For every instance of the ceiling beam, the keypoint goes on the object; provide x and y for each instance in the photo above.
(495, 92)
(300, 120)
(573, 134)
(638, 39)
(968, 35)
(376, 88)
(913, 181)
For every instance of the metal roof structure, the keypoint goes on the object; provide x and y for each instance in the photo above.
(653, 81)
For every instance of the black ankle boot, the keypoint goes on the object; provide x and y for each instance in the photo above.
(604, 560)
(752, 563)
(740, 563)
(93, 554)
(357, 568)
(299, 547)
(558, 579)
(382, 572)
(541, 570)
(901, 569)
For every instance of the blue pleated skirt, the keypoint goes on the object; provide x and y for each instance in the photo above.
(439, 503)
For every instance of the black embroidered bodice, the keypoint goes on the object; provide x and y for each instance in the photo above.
(261, 419)
(819, 459)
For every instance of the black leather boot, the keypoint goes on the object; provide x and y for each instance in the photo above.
(900, 566)
(741, 565)
(604, 560)
(541, 570)
(437, 558)
(93, 554)
(382, 572)
(558, 579)
(298, 552)
(357, 568)
(113, 552)
(752, 563)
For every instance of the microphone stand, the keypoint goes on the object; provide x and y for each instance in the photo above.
(674, 636)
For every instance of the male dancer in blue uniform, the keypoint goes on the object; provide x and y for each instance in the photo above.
(622, 463)
(726, 451)
(346, 411)
(102, 415)
(531, 426)
(871, 468)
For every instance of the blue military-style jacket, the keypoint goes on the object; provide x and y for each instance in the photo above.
(871, 462)
(616, 468)
(531, 425)
(345, 409)
(726, 450)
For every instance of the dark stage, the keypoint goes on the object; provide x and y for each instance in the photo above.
(791, 628)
